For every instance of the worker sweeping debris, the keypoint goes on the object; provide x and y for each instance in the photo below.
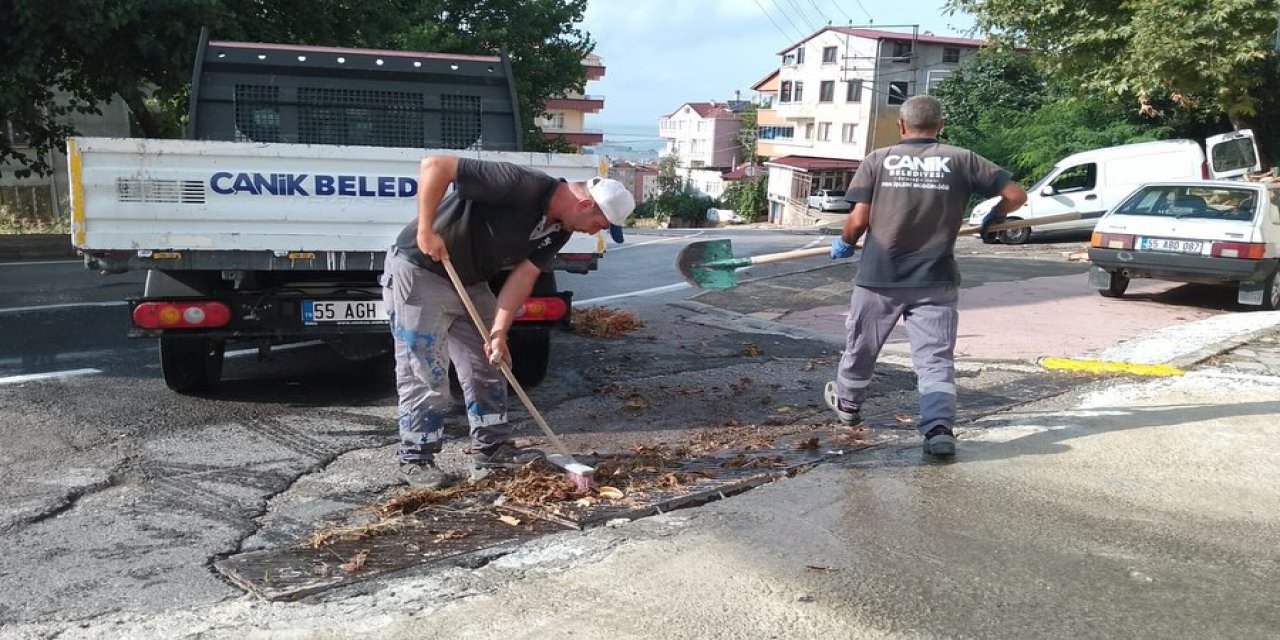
(498, 215)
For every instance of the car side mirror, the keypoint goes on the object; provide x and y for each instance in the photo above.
(1047, 191)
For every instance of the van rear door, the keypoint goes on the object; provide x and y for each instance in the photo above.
(1232, 154)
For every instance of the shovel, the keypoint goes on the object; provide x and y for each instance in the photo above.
(710, 264)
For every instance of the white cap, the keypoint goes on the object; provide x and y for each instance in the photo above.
(614, 200)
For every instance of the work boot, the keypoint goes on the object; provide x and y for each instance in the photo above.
(425, 475)
(846, 415)
(940, 442)
(501, 456)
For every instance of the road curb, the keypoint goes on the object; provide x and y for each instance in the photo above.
(31, 246)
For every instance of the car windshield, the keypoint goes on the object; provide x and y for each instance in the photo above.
(1183, 201)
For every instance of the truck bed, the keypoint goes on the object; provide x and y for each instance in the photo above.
(187, 204)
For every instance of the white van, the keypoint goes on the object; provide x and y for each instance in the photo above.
(1091, 182)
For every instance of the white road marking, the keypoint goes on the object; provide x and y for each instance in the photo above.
(632, 245)
(42, 262)
(48, 375)
(284, 347)
(632, 294)
(69, 305)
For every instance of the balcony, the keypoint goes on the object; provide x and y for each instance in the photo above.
(584, 104)
(580, 137)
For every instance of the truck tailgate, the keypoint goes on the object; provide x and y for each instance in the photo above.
(189, 195)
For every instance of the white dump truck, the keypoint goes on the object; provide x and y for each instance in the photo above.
(270, 224)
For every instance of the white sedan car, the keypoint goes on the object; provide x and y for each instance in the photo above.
(1204, 231)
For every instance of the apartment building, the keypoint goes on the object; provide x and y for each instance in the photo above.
(834, 98)
(703, 136)
(566, 115)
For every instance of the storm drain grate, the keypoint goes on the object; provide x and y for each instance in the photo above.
(706, 479)
(425, 537)
(363, 546)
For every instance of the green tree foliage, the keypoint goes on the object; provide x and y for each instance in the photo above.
(546, 48)
(1001, 106)
(1202, 54)
(748, 197)
(747, 129)
(62, 58)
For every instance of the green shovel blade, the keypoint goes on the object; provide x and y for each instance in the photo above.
(710, 264)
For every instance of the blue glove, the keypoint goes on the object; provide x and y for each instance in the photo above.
(991, 218)
(841, 249)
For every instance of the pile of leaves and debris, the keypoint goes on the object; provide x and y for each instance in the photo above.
(603, 322)
(625, 480)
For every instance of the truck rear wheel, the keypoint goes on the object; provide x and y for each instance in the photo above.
(191, 365)
(530, 354)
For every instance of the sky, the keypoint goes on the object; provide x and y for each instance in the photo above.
(660, 54)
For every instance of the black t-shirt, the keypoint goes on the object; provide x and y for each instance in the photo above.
(494, 218)
(917, 190)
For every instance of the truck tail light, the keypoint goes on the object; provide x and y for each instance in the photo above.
(542, 309)
(1111, 240)
(1204, 170)
(181, 314)
(1244, 250)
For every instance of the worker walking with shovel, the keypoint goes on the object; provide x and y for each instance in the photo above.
(909, 200)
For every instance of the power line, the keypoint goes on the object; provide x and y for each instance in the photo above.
(775, 23)
(799, 13)
(839, 8)
(820, 12)
(870, 18)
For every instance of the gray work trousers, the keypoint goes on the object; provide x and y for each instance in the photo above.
(930, 316)
(430, 327)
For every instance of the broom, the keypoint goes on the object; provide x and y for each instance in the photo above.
(580, 474)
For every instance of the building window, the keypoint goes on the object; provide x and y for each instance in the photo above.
(898, 92)
(827, 91)
(824, 131)
(789, 60)
(828, 55)
(555, 121)
(775, 132)
(934, 78)
(17, 137)
(901, 51)
(799, 56)
(785, 92)
(853, 91)
(951, 54)
(808, 131)
(847, 131)
(799, 97)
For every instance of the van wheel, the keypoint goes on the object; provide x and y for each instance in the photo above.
(1015, 236)
(991, 238)
(1116, 286)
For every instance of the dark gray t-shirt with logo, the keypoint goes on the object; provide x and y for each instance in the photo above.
(494, 218)
(917, 190)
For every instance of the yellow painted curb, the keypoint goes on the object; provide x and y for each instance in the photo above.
(1109, 366)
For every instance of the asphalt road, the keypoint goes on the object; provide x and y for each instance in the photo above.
(116, 494)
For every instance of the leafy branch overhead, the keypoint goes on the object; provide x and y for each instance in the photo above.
(74, 56)
(1212, 56)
